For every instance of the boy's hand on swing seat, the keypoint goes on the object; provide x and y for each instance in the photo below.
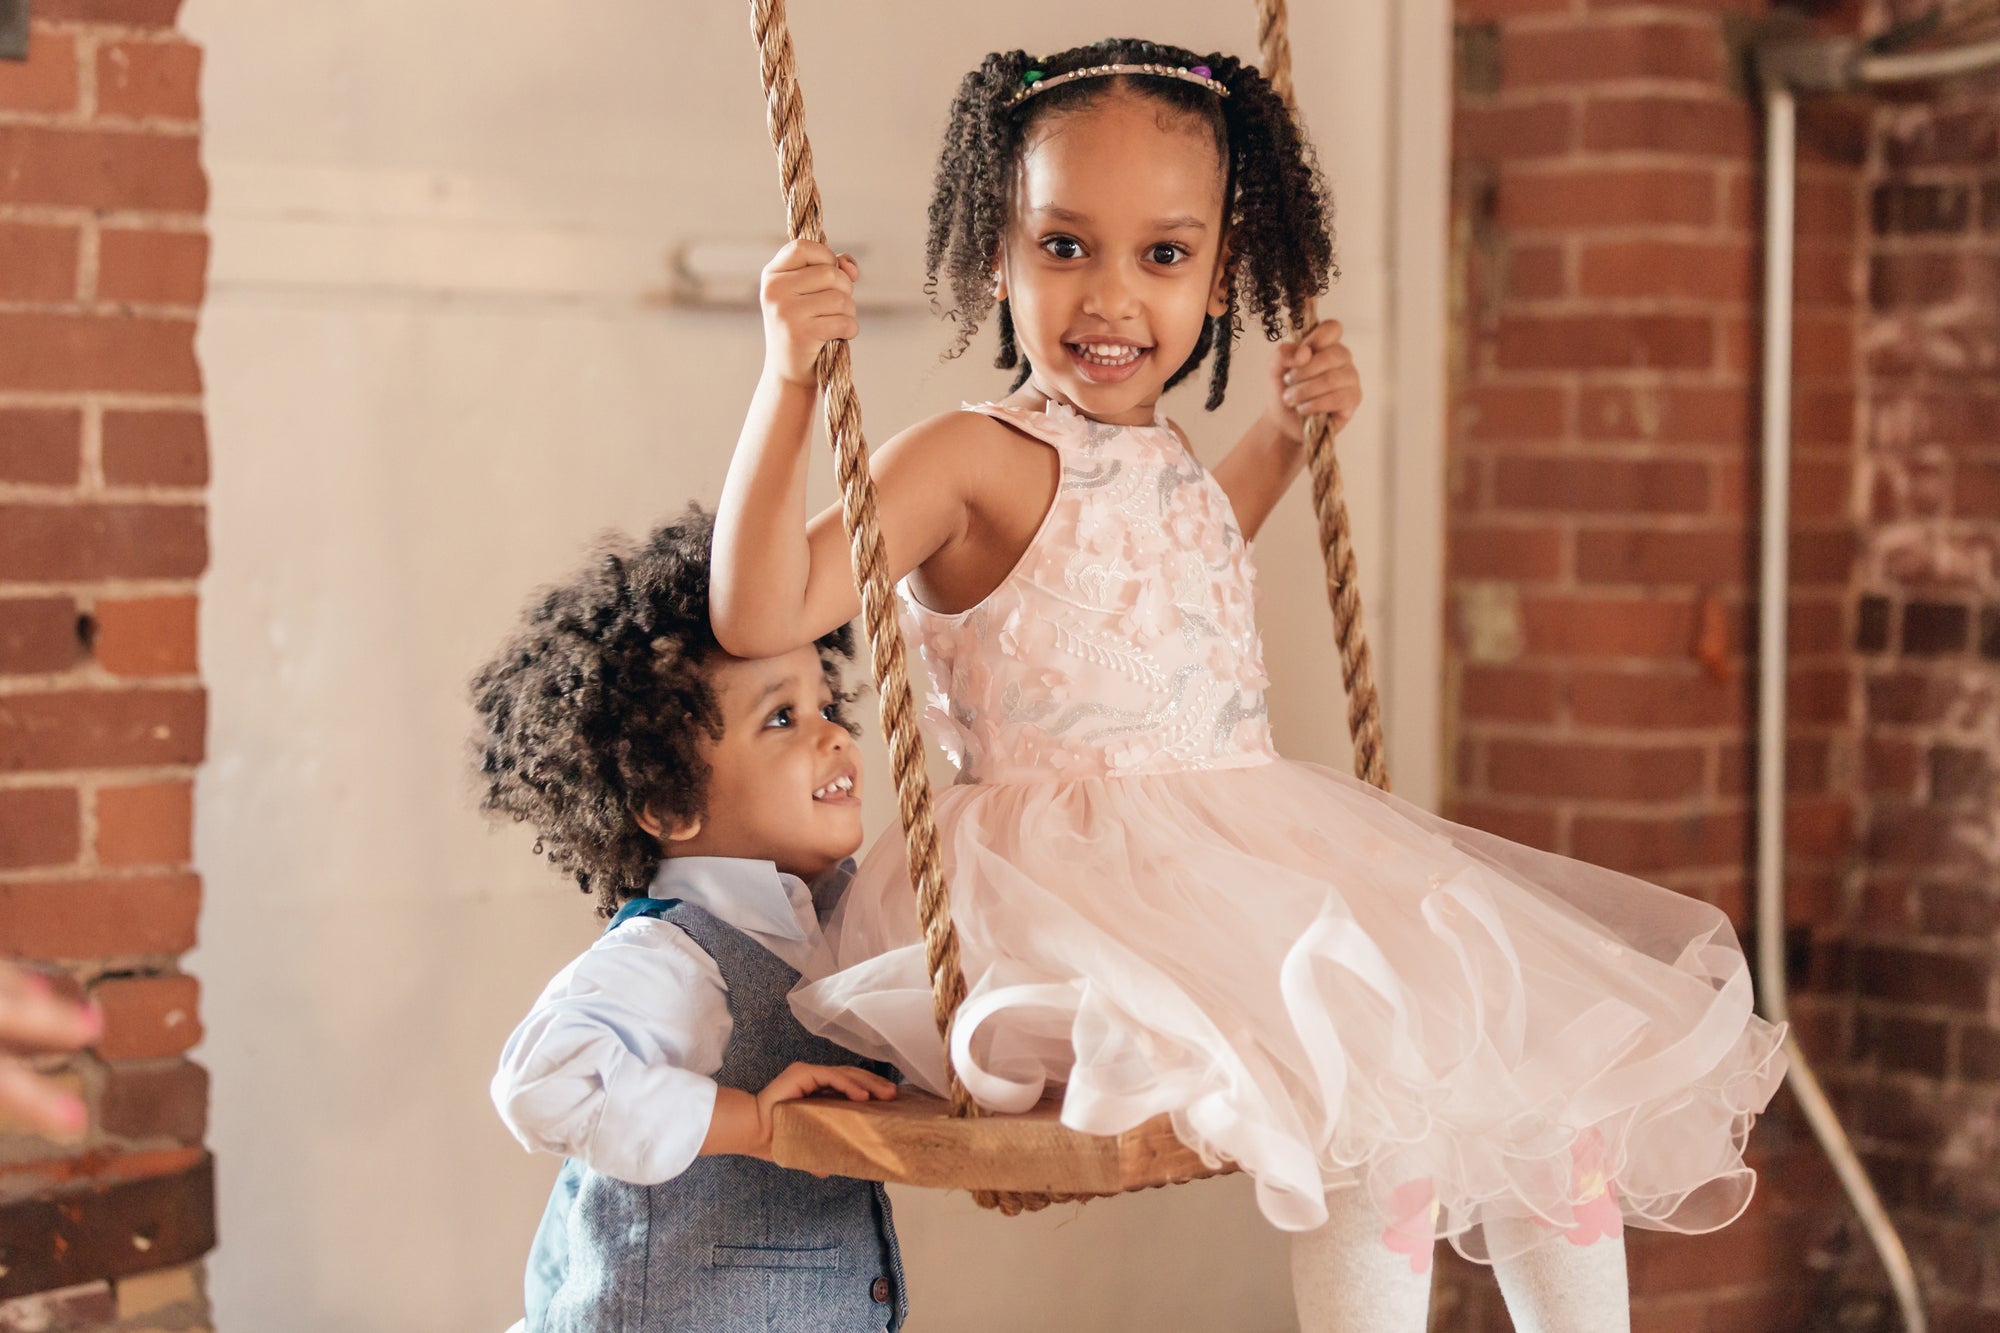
(742, 1121)
(800, 1081)
(1316, 375)
(807, 294)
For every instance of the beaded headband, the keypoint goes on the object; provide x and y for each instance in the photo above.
(1034, 81)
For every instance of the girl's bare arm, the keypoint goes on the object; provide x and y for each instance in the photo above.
(779, 581)
(1316, 376)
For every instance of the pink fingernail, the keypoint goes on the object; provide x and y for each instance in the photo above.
(74, 1113)
(39, 984)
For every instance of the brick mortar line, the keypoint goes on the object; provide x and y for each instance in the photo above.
(1596, 22)
(1819, 662)
(1579, 305)
(1605, 663)
(87, 589)
(1613, 377)
(1630, 87)
(1639, 377)
(91, 475)
(1940, 245)
(1569, 448)
(1578, 160)
(1626, 736)
(169, 34)
(164, 127)
(89, 251)
(94, 679)
(89, 829)
(91, 972)
(1609, 377)
(81, 871)
(87, 44)
(94, 490)
(1614, 521)
(1584, 93)
(114, 399)
(1876, 1006)
(114, 219)
(1700, 802)
(1573, 240)
(103, 309)
(138, 775)
(1662, 812)
(74, 873)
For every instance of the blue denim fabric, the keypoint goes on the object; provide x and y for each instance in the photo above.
(731, 1244)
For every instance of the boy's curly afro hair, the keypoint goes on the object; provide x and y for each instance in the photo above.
(597, 707)
(1276, 213)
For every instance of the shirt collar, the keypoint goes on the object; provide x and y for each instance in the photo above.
(753, 896)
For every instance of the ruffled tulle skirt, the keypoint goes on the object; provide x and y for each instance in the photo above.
(1328, 987)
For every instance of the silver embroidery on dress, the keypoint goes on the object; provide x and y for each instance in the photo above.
(1125, 640)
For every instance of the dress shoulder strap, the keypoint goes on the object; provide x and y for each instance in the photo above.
(1055, 428)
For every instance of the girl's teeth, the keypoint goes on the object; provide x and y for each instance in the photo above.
(1108, 353)
(839, 786)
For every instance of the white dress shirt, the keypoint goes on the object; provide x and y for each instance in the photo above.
(614, 1065)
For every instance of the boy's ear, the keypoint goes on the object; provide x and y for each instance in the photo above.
(660, 833)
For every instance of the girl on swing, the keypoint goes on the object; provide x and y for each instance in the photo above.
(1403, 1030)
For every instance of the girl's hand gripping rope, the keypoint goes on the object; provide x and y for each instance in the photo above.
(1316, 375)
(808, 297)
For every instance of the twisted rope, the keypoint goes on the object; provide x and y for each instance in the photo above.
(1343, 583)
(786, 117)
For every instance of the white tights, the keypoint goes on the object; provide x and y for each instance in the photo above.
(1345, 1280)
(1564, 1288)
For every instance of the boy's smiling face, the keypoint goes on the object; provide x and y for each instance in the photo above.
(784, 782)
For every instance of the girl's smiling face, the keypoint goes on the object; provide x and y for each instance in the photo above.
(1112, 254)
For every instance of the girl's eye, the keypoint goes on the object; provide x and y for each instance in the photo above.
(1166, 254)
(828, 712)
(1063, 247)
(781, 718)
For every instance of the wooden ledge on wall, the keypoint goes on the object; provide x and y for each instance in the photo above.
(111, 1230)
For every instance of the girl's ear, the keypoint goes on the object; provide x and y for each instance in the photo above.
(660, 833)
(999, 282)
(1218, 292)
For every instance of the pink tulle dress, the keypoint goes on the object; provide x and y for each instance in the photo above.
(1319, 982)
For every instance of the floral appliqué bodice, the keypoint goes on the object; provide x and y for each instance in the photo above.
(1124, 642)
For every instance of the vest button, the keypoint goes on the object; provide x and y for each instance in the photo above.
(879, 1289)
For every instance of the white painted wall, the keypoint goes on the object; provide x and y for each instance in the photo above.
(434, 372)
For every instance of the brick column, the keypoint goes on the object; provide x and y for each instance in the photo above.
(1602, 514)
(103, 465)
(1920, 1022)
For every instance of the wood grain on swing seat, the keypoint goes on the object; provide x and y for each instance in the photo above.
(915, 1140)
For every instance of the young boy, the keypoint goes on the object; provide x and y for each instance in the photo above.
(710, 804)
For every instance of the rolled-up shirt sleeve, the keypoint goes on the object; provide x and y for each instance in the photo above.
(614, 1064)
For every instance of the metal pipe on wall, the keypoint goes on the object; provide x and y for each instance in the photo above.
(1788, 68)
(1780, 161)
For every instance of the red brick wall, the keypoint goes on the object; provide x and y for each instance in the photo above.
(1602, 521)
(103, 464)
(1914, 994)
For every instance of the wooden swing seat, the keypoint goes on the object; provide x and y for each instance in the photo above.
(916, 1140)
